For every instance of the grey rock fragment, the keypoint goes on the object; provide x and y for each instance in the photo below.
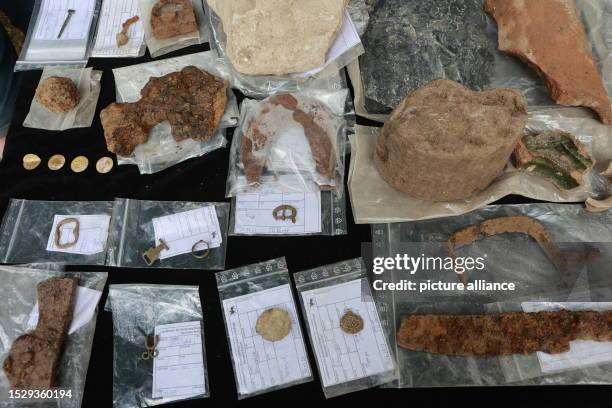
(409, 43)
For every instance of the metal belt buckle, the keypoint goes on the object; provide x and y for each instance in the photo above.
(285, 212)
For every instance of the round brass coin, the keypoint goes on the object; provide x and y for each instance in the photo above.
(351, 323)
(273, 324)
(79, 164)
(56, 162)
(31, 161)
(104, 165)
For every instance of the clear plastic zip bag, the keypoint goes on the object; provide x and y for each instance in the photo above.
(261, 320)
(68, 232)
(300, 137)
(587, 362)
(261, 86)
(19, 290)
(345, 328)
(154, 327)
(168, 234)
(287, 157)
(164, 45)
(162, 150)
(59, 37)
(568, 263)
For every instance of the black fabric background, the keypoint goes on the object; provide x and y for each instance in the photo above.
(203, 179)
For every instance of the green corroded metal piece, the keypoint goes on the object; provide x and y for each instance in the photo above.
(557, 157)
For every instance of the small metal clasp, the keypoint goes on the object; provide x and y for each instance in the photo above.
(151, 351)
(152, 254)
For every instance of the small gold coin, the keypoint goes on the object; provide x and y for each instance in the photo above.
(79, 164)
(351, 323)
(56, 162)
(31, 161)
(104, 165)
(273, 324)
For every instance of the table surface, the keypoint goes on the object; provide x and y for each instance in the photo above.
(203, 179)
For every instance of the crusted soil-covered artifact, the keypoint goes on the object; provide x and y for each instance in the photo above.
(122, 37)
(34, 357)
(277, 114)
(514, 224)
(58, 94)
(502, 334)
(549, 36)
(520, 224)
(191, 100)
(410, 43)
(351, 322)
(171, 18)
(556, 156)
(278, 37)
(273, 324)
(445, 142)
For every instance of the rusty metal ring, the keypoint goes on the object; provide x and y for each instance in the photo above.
(194, 251)
(75, 232)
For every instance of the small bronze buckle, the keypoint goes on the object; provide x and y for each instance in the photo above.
(75, 232)
(284, 213)
(152, 254)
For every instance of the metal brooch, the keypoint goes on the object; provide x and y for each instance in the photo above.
(285, 212)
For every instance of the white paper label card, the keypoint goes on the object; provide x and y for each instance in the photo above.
(92, 234)
(342, 356)
(254, 213)
(178, 369)
(183, 230)
(54, 14)
(112, 16)
(260, 364)
(582, 353)
(85, 306)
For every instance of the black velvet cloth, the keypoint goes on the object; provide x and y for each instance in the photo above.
(204, 179)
